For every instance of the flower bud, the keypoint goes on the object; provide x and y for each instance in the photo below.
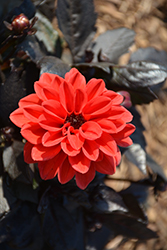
(20, 23)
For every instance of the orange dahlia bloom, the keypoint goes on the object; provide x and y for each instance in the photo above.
(73, 128)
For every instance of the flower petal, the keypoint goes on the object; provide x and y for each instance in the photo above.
(117, 157)
(66, 172)
(55, 109)
(114, 97)
(48, 169)
(56, 82)
(32, 132)
(124, 142)
(75, 139)
(125, 132)
(95, 107)
(107, 126)
(106, 166)
(47, 78)
(94, 88)
(50, 123)
(18, 117)
(80, 100)
(52, 138)
(119, 112)
(120, 124)
(29, 100)
(75, 78)
(41, 153)
(39, 86)
(50, 93)
(90, 130)
(66, 94)
(80, 163)
(27, 153)
(32, 112)
(91, 150)
(82, 180)
(66, 147)
(107, 144)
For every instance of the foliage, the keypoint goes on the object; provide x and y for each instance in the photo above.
(45, 214)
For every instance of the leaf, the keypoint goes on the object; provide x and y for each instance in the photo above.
(9, 159)
(4, 207)
(149, 54)
(20, 228)
(46, 33)
(14, 190)
(76, 20)
(59, 229)
(139, 74)
(31, 47)
(137, 136)
(137, 156)
(153, 55)
(105, 199)
(98, 239)
(101, 70)
(53, 65)
(27, 171)
(140, 190)
(127, 226)
(134, 207)
(11, 92)
(112, 44)
(155, 167)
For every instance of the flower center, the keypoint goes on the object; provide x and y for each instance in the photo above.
(75, 121)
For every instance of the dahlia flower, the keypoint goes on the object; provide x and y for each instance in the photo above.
(73, 129)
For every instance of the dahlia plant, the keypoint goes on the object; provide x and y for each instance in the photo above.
(67, 116)
(73, 128)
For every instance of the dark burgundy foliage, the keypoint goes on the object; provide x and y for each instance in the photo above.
(46, 215)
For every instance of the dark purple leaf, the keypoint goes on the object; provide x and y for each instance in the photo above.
(20, 228)
(137, 155)
(155, 167)
(149, 54)
(53, 65)
(139, 74)
(98, 239)
(11, 91)
(152, 55)
(134, 207)
(59, 229)
(9, 157)
(15, 189)
(137, 135)
(31, 47)
(140, 190)
(105, 199)
(76, 20)
(136, 152)
(122, 224)
(112, 44)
